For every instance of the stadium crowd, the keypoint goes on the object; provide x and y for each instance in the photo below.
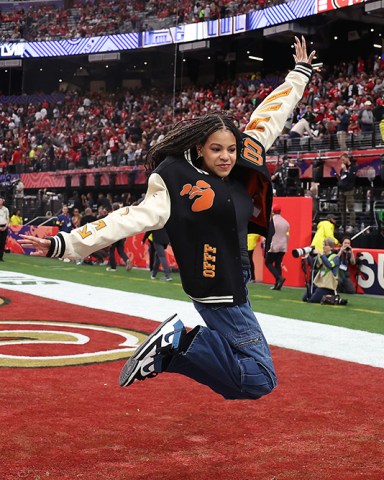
(341, 106)
(45, 21)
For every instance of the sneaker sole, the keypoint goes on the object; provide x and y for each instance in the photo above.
(131, 367)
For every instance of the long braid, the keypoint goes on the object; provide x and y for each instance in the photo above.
(186, 134)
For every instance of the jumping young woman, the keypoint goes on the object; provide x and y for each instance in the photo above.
(208, 186)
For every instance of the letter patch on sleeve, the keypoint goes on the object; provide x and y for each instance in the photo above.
(252, 151)
(84, 232)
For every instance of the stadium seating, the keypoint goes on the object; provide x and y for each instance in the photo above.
(49, 20)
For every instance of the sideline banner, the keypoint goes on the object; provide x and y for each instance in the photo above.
(368, 163)
(134, 247)
(138, 252)
(297, 211)
(371, 270)
(15, 231)
(106, 176)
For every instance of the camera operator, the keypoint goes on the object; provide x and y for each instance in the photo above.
(347, 258)
(327, 264)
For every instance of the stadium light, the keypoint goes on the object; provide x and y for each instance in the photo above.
(376, 45)
(259, 59)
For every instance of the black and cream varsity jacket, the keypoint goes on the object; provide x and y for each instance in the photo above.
(196, 207)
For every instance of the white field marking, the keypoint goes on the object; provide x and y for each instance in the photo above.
(327, 340)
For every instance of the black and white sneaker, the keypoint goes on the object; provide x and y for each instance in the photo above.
(164, 340)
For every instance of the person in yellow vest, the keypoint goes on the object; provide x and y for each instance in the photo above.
(252, 241)
(325, 229)
(16, 219)
(32, 156)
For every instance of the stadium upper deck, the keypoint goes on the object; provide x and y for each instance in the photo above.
(54, 20)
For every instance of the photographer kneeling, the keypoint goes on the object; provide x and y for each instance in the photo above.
(347, 258)
(327, 265)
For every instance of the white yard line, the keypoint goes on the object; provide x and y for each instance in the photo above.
(327, 340)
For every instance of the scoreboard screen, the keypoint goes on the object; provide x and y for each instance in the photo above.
(326, 5)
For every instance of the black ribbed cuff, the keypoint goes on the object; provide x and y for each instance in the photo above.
(57, 248)
(304, 68)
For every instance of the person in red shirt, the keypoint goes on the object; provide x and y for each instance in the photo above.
(354, 126)
(3, 165)
(114, 148)
(360, 65)
(263, 91)
(334, 93)
(17, 160)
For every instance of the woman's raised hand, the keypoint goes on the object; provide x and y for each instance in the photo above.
(301, 54)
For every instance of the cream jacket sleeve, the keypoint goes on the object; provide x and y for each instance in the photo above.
(151, 214)
(267, 121)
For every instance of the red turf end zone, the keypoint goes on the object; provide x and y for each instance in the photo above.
(325, 420)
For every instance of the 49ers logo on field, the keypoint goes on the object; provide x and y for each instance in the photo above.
(34, 343)
(4, 301)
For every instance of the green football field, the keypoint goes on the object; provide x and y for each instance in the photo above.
(363, 312)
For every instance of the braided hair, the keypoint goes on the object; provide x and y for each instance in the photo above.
(187, 134)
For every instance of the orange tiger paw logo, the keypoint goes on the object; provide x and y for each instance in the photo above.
(202, 193)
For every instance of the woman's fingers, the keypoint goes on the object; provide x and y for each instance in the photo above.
(41, 245)
(301, 54)
(311, 56)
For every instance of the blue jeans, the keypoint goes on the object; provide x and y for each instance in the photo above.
(230, 355)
